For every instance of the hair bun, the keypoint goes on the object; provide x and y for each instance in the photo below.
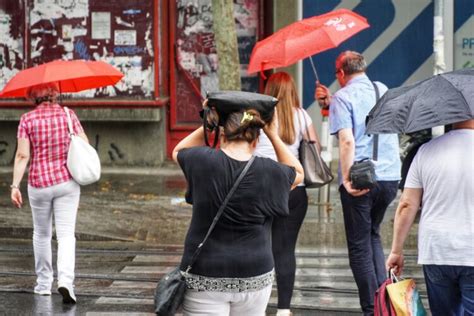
(243, 125)
(251, 118)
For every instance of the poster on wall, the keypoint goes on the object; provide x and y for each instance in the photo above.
(12, 56)
(100, 25)
(125, 37)
(119, 32)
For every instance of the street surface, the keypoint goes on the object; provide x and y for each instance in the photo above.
(130, 230)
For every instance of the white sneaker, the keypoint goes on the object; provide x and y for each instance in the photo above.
(284, 312)
(68, 294)
(41, 290)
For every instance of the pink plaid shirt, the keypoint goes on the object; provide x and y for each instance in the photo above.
(46, 129)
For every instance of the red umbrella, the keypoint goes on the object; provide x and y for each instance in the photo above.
(305, 38)
(71, 75)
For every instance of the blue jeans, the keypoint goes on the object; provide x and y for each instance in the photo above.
(450, 289)
(362, 218)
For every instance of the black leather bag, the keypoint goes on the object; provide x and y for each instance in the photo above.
(226, 102)
(362, 175)
(316, 172)
(169, 293)
(170, 290)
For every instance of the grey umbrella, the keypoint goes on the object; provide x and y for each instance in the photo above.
(439, 100)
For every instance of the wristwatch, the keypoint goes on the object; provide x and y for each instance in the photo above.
(14, 187)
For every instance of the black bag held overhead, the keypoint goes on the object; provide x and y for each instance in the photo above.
(226, 102)
(170, 290)
(362, 173)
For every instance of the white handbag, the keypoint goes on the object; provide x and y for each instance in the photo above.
(83, 161)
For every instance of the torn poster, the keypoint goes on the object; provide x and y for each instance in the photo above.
(101, 25)
(125, 37)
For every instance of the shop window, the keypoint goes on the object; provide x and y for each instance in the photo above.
(194, 61)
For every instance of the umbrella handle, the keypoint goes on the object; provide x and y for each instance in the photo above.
(314, 68)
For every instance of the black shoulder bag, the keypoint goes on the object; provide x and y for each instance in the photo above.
(362, 173)
(169, 293)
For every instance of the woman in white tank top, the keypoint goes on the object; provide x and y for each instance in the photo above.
(292, 123)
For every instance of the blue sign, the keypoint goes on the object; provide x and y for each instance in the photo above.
(397, 43)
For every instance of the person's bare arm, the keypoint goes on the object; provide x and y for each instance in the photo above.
(408, 206)
(194, 139)
(83, 136)
(346, 156)
(22, 157)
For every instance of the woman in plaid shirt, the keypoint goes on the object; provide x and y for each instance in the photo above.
(43, 136)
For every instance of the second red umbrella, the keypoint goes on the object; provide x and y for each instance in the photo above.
(305, 38)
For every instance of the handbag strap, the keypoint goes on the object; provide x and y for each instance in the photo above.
(212, 129)
(219, 213)
(375, 149)
(318, 143)
(305, 122)
(69, 121)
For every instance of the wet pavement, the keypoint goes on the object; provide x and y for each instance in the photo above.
(130, 230)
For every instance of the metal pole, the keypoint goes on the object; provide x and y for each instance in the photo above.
(438, 50)
(324, 210)
(299, 65)
(438, 38)
(448, 28)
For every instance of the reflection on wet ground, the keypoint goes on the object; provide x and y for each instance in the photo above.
(130, 230)
(27, 304)
(118, 277)
(151, 208)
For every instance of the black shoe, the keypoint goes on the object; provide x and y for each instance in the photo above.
(68, 295)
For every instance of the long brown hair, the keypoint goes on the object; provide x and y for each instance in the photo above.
(281, 86)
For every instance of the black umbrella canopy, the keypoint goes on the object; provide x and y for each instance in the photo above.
(439, 100)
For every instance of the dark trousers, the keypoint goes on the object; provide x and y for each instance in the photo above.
(450, 289)
(362, 218)
(284, 235)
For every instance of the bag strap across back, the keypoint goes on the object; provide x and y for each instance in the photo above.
(219, 212)
(376, 136)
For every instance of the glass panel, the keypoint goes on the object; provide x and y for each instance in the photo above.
(196, 57)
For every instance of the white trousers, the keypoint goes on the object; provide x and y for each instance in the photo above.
(220, 303)
(62, 200)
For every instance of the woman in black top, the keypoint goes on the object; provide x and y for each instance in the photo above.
(234, 272)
